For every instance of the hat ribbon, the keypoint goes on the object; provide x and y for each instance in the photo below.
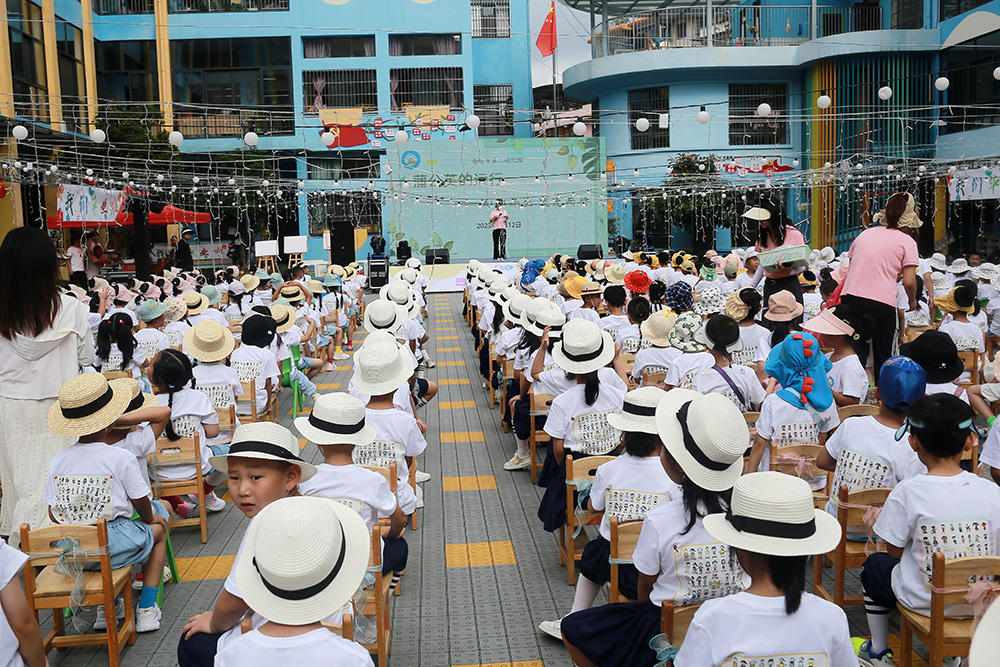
(586, 356)
(640, 410)
(90, 408)
(387, 325)
(258, 447)
(749, 524)
(692, 447)
(282, 321)
(135, 403)
(308, 591)
(332, 427)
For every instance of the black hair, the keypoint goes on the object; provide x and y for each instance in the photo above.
(752, 299)
(935, 420)
(286, 275)
(237, 300)
(641, 444)
(664, 257)
(826, 273)
(592, 388)
(975, 252)
(973, 292)
(639, 309)
(657, 290)
(921, 296)
(298, 271)
(498, 318)
(529, 341)
(828, 286)
(615, 296)
(779, 222)
(172, 371)
(696, 499)
(780, 331)
(116, 329)
(788, 574)
(810, 276)
(262, 310)
(28, 265)
(863, 325)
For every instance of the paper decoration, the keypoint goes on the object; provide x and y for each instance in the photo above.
(266, 248)
(705, 572)
(84, 203)
(296, 244)
(82, 498)
(970, 184)
(593, 434)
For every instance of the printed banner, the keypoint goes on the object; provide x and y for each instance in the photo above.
(200, 251)
(972, 184)
(82, 203)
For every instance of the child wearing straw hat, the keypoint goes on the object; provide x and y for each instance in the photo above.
(743, 306)
(296, 594)
(263, 466)
(211, 345)
(772, 530)
(590, 300)
(210, 312)
(625, 488)
(702, 454)
(92, 480)
(143, 421)
(947, 510)
(402, 398)
(720, 334)
(660, 354)
(337, 426)
(693, 358)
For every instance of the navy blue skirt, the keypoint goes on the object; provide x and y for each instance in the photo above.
(552, 508)
(595, 566)
(615, 634)
(550, 469)
(394, 554)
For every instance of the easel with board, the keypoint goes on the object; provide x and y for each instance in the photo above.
(266, 251)
(295, 247)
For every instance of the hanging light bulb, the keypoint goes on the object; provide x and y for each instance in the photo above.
(764, 110)
(642, 124)
(537, 180)
(90, 172)
(635, 172)
(402, 136)
(703, 116)
(472, 121)
(884, 93)
(795, 163)
(251, 139)
(98, 136)
(580, 129)
(327, 138)
(942, 83)
(824, 101)
(175, 138)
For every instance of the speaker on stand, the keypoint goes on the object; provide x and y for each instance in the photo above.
(342, 243)
(589, 251)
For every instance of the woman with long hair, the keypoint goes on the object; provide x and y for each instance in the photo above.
(775, 230)
(44, 340)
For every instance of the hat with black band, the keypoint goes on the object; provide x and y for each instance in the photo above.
(336, 419)
(267, 441)
(87, 404)
(583, 347)
(639, 410)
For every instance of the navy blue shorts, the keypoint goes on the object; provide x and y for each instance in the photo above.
(394, 554)
(614, 635)
(595, 566)
(420, 387)
(199, 651)
(876, 579)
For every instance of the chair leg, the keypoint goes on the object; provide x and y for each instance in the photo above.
(817, 574)
(905, 642)
(570, 556)
(839, 575)
(202, 517)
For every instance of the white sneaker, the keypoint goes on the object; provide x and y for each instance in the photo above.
(330, 368)
(167, 578)
(552, 628)
(148, 619)
(213, 503)
(518, 462)
(430, 362)
(340, 356)
(420, 496)
(422, 476)
(883, 659)
(101, 624)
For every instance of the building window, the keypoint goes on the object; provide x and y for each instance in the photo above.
(426, 86)
(974, 95)
(649, 103)
(491, 19)
(495, 107)
(357, 210)
(907, 14)
(69, 46)
(425, 45)
(952, 8)
(359, 46)
(745, 126)
(344, 167)
(27, 59)
(339, 89)
(127, 71)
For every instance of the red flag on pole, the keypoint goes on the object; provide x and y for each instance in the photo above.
(546, 41)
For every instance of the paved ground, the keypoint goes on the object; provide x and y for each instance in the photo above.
(482, 573)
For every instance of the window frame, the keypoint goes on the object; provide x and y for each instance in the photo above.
(654, 138)
(745, 127)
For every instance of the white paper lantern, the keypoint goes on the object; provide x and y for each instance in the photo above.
(195, 180)
(580, 129)
(230, 181)
(251, 138)
(125, 175)
(159, 178)
(824, 101)
(884, 93)
(764, 110)
(266, 183)
(996, 74)
(942, 83)
(473, 121)
(54, 168)
(90, 172)
(890, 167)
(402, 136)
(795, 163)
(327, 138)
(98, 136)
(642, 124)
(20, 132)
(175, 138)
(703, 117)
(921, 169)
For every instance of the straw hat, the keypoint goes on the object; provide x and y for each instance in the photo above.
(400, 293)
(381, 368)
(337, 270)
(757, 213)
(537, 306)
(720, 332)
(267, 441)
(583, 348)
(315, 286)
(209, 341)
(782, 307)
(87, 404)
(303, 559)
(513, 310)
(828, 323)
(384, 315)
(196, 303)
(772, 513)
(706, 434)
(212, 293)
(149, 310)
(638, 413)
(495, 289)
(637, 282)
(336, 419)
(656, 328)
(283, 316)
(735, 307)
(711, 303)
(591, 289)
(682, 334)
(615, 274)
(409, 275)
(138, 400)
(292, 293)
(350, 272)
(552, 318)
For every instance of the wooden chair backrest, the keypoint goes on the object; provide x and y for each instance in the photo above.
(389, 474)
(628, 358)
(585, 468)
(751, 419)
(859, 410)
(227, 417)
(42, 540)
(912, 333)
(375, 554)
(954, 577)
(115, 375)
(973, 457)
(177, 452)
(674, 621)
(650, 379)
(540, 403)
(624, 537)
(970, 359)
(250, 394)
(508, 368)
(852, 517)
(809, 451)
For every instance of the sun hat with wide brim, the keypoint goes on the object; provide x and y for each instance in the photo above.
(615, 274)
(583, 348)
(735, 307)
(315, 286)
(409, 275)
(638, 413)
(637, 282)
(531, 314)
(682, 334)
(209, 341)
(959, 266)
(292, 293)
(413, 263)
(706, 434)
(590, 289)
(384, 315)
(258, 330)
(711, 303)
(574, 286)
(938, 261)
(782, 307)
(381, 368)
(87, 404)
(330, 280)
(828, 323)
(138, 400)
(773, 514)
(949, 303)
(303, 560)
(267, 441)
(513, 310)
(757, 213)
(400, 293)
(986, 272)
(720, 332)
(196, 303)
(283, 316)
(908, 219)
(656, 328)
(937, 353)
(212, 293)
(336, 419)
(150, 309)
(350, 272)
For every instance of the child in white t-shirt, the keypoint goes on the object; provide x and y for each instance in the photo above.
(211, 344)
(255, 360)
(117, 349)
(630, 336)
(936, 352)
(151, 338)
(660, 355)
(967, 336)
(614, 302)
(977, 315)
(812, 301)
(948, 510)
(20, 636)
(721, 334)
(693, 359)
(743, 305)
(842, 328)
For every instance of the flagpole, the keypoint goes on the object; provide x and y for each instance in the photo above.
(555, 106)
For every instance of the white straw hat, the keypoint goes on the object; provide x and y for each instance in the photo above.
(639, 411)
(250, 282)
(772, 513)
(381, 368)
(552, 318)
(384, 315)
(87, 404)
(209, 341)
(495, 289)
(656, 328)
(267, 441)
(284, 317)
(615, 274)
(583, 348)
(413, 263)
(514, 309)
(400, 293)
(706, 434)
(196, 302)
(507, 294)
(409, 276)
(303, 559)
(336, 419)
(537, 306)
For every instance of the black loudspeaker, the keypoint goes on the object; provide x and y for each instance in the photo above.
(378, 271)
(589, 251)
(403, 252)
(437, 256)
(342, 243)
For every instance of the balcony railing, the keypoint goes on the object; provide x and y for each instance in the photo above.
(119, 7)
(197, 122)
(741, 25)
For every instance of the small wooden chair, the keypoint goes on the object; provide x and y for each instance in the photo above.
(539, 407)
(628, 360)
(116, 375)
(178, 452)
(624, 537)
(859, 410)
(571, 548)
(972, 456)
(227, 419)
(675, 620)
(810, 452)
(950, 582)
(506, 373)
(971, 361)
(849, 553)
(651, 378)
(51, 590)
(377, 603)
(912, 333)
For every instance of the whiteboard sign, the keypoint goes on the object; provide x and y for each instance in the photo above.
(296, 244)
(266, 248)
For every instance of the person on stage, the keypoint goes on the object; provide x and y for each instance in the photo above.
(499, 219)
(183, 256)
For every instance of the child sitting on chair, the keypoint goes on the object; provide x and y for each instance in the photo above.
(153, 314)
(211, 344)
(721, 335)
(20, 636)
(288, 335)
(259, 332)
(844, 329)
(660, 355)
(693, 358)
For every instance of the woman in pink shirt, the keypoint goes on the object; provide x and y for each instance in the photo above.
(499, 219)
(878, 257)
(776, 230)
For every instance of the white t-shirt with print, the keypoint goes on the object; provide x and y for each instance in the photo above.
(588, 314)
(958, 515)
(398, 429)
(967, 336)
(317, 647)
(980, 319)
(548, 364)
(751, 337)
(140, 443)
(689, 567)
(764, 347)
(709, 381)
(583, 427)
(614, 323)
(948, 388)
(91, 480)
(11, 564)
(555, 381)
(686, 366)
(628, 487)
(848, 377)
(189, 412)
(627, 330)
(116, 359)
(735, 630)
(812, 302)
(209, 313)
(365, 491)
(656, 359)
(152, 340)
(268, 365)
(211, 379)
(784, 424)
(175, 331)
(989, 454)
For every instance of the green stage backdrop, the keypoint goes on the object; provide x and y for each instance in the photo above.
(441, 193)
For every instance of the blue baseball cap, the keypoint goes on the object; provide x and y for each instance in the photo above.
(901, 382)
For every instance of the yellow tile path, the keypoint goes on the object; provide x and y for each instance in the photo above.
(464, 436)
(469, 483)
(443, 383)
(480, 554)
(204, 567)
(456, 405)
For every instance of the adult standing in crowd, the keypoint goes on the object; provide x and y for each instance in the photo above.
(94, 254)
(878, 257)
(499, 219)
(775, 231)
(44, 340)
(184, 258)
(77, 254)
